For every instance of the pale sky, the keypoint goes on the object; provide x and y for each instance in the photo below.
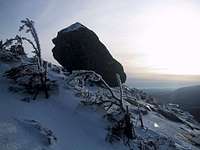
(155, 40)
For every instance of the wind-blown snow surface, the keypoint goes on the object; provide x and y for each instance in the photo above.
(75, 127)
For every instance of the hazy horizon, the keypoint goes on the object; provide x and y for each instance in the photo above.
(156, 41)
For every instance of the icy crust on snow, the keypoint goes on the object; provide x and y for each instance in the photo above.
(158, 129)
(18, 135)
(73, 27)
(72, 126)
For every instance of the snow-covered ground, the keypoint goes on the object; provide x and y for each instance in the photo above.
(75, 128)
(62, 123)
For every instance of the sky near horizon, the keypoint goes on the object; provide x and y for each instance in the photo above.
(153, 39)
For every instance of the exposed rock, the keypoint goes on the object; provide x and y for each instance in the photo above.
(79, 48)
(169, 115)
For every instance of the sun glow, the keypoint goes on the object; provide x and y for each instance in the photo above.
(170, 41)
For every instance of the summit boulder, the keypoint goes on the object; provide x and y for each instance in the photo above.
(79, 48)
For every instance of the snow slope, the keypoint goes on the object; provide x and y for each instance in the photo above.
(62, 123)
(74, 128)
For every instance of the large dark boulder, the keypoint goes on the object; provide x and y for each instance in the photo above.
(79, 48)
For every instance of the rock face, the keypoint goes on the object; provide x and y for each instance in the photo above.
(79, 48)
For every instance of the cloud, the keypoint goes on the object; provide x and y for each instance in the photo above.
(147, 37)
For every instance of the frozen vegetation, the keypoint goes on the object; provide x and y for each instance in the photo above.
(44, 107)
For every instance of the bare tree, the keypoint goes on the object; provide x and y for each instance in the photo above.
(121, 90)
(140, 117)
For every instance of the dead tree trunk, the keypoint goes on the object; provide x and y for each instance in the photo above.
(140, 118)
(45, 80)
(130, 129)
(121, 91)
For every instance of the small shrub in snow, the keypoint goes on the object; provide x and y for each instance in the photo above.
(27, 79)
(28, 26)
(81, 80)
(121, 129)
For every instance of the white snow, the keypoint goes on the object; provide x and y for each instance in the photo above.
(75, 127)
(73, 27)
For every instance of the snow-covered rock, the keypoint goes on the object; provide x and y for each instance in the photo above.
(73, 27)
(79, 48)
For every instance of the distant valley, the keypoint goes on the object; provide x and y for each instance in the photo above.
(187, 97)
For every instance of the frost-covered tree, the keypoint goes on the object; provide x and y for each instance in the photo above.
(12, 49)
(9, 42)
(31, 77)
(28, 25)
